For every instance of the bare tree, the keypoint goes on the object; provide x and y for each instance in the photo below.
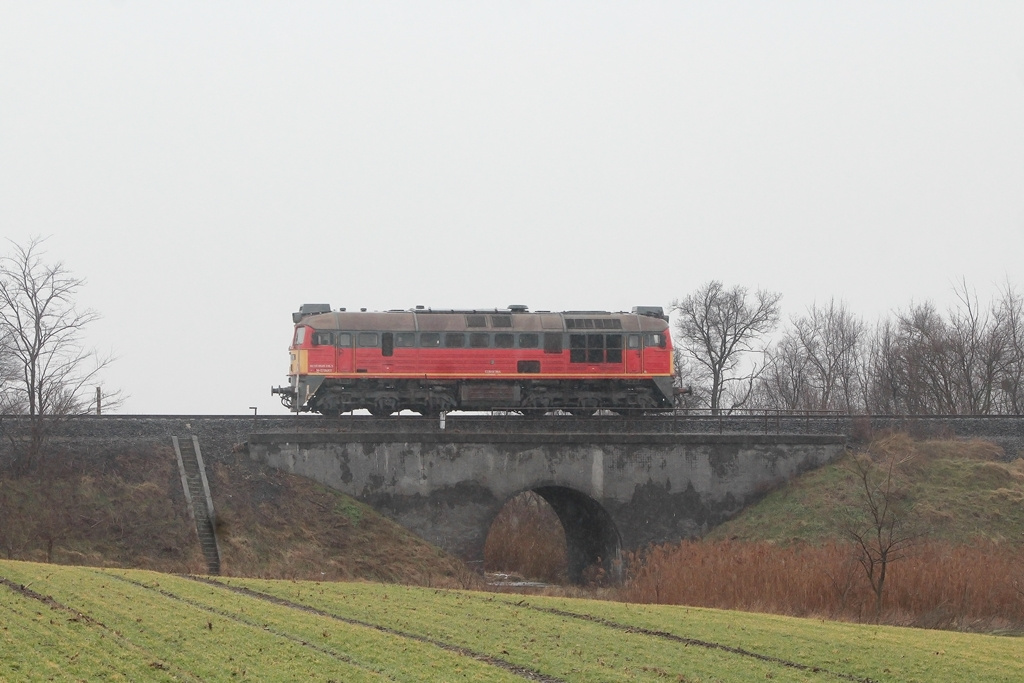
(883, 370)
(41, 332)
(978, 345)
(816, 363)
(1009, 313)
(718, 328)
(927, 363)
(785, 381)
(880, 529)
(831, 337)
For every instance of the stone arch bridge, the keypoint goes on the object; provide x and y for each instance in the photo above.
(612, 489)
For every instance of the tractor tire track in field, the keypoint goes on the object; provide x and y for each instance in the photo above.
(246, 622)
(522, 672)
(48, 600)
(77, 615)
(665, 635)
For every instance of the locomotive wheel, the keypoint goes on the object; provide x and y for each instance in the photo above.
(383, 406)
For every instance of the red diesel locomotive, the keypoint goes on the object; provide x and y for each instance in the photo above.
(433, 361)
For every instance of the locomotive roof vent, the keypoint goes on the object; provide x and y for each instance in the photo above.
(518, 308)
(310, 309)
(651, 311)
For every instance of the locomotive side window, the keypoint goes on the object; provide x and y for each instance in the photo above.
(634, 341)
(501, 321)
(529, 341)
(613, 348)
(577, 348)
(367, 339)
(405, 339)
(504, 340)
(552, 342)
(430, 339)
(343, 339)
(300, 336)
(454, 340)
(595, 348)
(479, 340)
(387, 344)
(322, 339)
(651, 340)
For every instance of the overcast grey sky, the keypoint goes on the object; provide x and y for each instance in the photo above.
(208, 167)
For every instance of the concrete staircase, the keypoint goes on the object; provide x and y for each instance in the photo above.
(197, 497)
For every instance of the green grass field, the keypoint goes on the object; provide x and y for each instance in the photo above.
(77, 623)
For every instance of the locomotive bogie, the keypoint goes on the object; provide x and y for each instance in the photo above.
(432, 362)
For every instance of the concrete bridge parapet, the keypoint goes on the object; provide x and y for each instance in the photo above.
(612, 492)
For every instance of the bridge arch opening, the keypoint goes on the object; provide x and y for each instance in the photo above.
(591, 537)
(592, 545)
(526, 538)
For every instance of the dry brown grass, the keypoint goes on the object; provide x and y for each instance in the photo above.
(527, 539)
(937, 585)
(119, 509)
(276, 525)
(127, 509)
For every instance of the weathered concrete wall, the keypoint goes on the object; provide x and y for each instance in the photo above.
(611, 491)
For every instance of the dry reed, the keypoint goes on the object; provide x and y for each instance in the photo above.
(936, 586)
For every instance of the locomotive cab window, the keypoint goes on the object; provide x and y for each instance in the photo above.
(343, 339)
(322, 339)
(654, 340)
(367, 339)
(430, 339)
(300, 336)
(634, 341)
